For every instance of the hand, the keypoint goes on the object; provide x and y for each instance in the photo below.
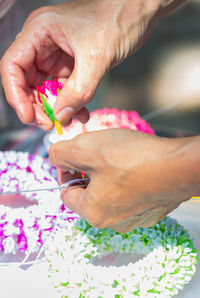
(135, 179)
(78, 42)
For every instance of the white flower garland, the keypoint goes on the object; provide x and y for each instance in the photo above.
(168, 264)
(22, 229)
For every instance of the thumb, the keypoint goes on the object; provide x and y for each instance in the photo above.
(78, 89)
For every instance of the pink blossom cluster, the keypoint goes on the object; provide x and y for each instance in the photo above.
(99, 119)
(113, 118)
(52, 87)
(18, 171)
(105, 119)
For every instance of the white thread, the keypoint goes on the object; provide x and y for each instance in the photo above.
(66, 185)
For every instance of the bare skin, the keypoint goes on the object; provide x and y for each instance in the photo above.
(78, 42)
(135, 179)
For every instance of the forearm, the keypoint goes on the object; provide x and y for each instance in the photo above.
(166, 6)
(168, 170)
(170, 4)
(135, 19)
(183, 166)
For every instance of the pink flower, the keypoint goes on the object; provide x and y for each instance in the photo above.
(110, 118)
(22, 242)
(99, 119)
(48, 89)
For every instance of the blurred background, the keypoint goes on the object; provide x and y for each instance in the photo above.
(161, 81)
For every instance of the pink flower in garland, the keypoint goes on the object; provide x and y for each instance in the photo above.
(104, 119)
(99, 119)
(23, 229)
(113, 118)
(50, 89)
(47, 94)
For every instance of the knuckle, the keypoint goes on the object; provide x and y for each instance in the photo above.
(32, 15)
(78, 147)
(87, 97)
(37, 12)
(18, 35)
(82, 94)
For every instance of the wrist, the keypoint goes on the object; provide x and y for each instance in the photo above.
(183, 165)
(166, 6)
(170, 3)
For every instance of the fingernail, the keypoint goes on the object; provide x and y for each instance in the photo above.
(44, 126)
(64, 114)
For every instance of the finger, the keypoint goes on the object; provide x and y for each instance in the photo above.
(64, 177)
(72, 198)
(41, 119)
(83, 115)
(72, 154)
(35, 77)
(75, 200)
(78, 89)
(60, 67)
(16, 62)
(14, 86)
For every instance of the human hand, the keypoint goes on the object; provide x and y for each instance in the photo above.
(136, 179)
(78, 42)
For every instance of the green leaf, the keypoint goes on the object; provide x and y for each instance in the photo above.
(175, 271)
(183, 239)
(170, 289)
(87, 256)
(48, 109)
(194, 250)
(115, 283)
(64, 284)
(79, 285)
(162, 227)
(153, 291)
(136, 293)
(162, 276)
